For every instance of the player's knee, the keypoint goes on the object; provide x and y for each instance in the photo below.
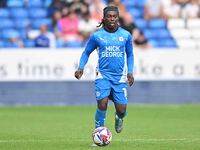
(102, 106)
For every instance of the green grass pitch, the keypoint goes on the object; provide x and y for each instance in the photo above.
(146, 127)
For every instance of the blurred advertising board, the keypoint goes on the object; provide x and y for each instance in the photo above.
(60, 64)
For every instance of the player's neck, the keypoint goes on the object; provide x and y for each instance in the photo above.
(111, 29)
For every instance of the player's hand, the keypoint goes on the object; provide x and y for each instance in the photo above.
(78, 73)
(130, 79)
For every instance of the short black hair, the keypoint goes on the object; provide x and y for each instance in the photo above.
(110, 8)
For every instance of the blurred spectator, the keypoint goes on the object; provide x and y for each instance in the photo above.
(65, 11)
(129, 25)
(67, 27)
(57, 5)
(191, 9)
(79, 7)
(96, 9)
(15, 40)
(56, 16)
(3, 3)
(61, 6)
(123, 11)
(138, 37)
(45, 38)
(182, 3)
(140, 41)
(152, 9)
(173, 10)
(87, 25)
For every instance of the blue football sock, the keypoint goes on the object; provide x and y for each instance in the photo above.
(100, 117)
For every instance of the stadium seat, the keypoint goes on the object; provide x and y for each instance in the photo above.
(195, 33)
(198, 44)
(19, 12)
(136, 12)
(141, 23)
(37, 12)
(35, 3)
(193, 23)
(59, 43)
(23, 33)
(181, 33)
(133, 3)
(157, 23)
(29, 43)
(4, 13)
(36, 23)
(157, 33)
(6, 23)
(154, 42)
(8, 33)
(176, 23)
(140, 3)
(186, 44)
(47, 3)
(22, 22)
(129, 3)
(167, 42)
(15, 3)
(73, 44)
(150, 34)
(2, 43)
(163, 33)
(162, 43)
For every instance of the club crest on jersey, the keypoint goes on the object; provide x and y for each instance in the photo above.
(98, 93)
(121, 38)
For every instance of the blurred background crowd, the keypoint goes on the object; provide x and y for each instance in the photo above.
(69, 23)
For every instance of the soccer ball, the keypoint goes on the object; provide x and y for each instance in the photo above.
(102, 136)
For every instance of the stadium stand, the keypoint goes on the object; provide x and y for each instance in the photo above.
(13, 3)
(185, 32)
(159, 32)
(151, 27)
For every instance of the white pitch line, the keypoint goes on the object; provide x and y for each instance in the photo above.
(81, 140)
(160, 140)
(28, 140)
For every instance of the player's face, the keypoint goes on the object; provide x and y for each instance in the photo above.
(111, 20)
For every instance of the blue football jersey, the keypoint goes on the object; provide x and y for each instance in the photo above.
(115, 53)
(42, 41)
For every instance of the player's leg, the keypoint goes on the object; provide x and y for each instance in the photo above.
(119, 115)
(102, 88)
(100, 114)
(120, 110)
(119, 93)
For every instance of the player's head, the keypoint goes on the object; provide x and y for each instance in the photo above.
(110, 8)
(110, 18)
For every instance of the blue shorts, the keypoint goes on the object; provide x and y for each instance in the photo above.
(116, 92)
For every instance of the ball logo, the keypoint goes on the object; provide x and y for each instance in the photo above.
(121, 39)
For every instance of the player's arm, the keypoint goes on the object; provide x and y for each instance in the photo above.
(130, 60)
(90, 47)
